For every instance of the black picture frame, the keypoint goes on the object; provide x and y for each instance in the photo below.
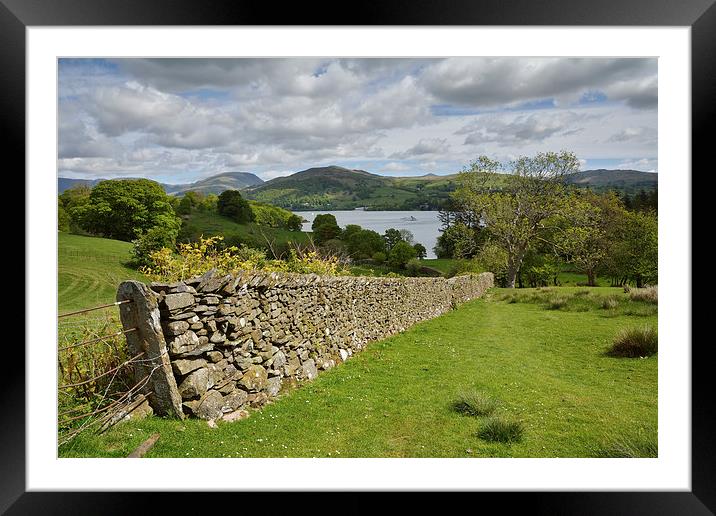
(700, 15)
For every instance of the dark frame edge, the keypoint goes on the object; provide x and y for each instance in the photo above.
(703, 115)
(12, 127)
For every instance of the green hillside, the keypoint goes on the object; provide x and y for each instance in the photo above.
(252, 234)
(338, 188)
(90, 269)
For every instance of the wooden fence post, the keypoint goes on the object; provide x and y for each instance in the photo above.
(143, 314)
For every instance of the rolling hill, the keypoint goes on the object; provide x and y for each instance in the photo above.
(214, 184)
(625, 180)
(339, 188)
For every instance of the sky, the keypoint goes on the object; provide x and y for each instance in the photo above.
(181, 120)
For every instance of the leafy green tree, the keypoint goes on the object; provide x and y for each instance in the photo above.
(458, 241)
(517, 212)
(391, 236)
(208, 203)
(420, 251)
(364, 243)
(71, 200)
(400, 254)
(185, 206)
(633, 254)
(325, 228)
(294, 223)
(581, 237)
(163, 235)
(349, 231)
(379, 257)
(63, 218)
(406, 236)
(125, 208)
(232, 205)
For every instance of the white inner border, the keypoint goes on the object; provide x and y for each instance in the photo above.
(671, 471)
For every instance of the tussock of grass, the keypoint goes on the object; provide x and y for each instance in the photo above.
(557, 303)
(610, 303)
(635, 342)
(646, 295)
(498, 429)
(630, 447)
(472, 403)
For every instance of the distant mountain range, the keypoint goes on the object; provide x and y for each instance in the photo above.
(336, 188)
(214, 184)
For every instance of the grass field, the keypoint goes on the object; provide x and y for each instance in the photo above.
(90, 269)
(540, 354)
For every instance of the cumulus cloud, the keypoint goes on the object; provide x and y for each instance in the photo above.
(423, 147)
(491, 82)
(521, 129)
(634, 134)
(198, 117)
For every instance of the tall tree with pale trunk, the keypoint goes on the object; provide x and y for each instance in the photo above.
(516, 201)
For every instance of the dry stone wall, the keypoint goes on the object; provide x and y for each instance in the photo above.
(234, 341)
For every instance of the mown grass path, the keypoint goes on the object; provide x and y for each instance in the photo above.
(394, 399)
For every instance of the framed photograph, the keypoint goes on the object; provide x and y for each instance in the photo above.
(401, 128)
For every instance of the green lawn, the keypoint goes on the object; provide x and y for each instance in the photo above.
(545, 366)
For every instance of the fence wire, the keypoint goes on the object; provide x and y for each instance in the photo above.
(95, 375)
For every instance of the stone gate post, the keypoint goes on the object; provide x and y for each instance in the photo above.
(143, 314)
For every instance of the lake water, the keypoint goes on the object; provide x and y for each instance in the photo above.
(425, 227)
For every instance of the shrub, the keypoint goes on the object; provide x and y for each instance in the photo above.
(474, 403)
(196, 258)
(647, 295)
(413, 267)
(497, 429)
(634, 342)
(400, 254)
(379, 257)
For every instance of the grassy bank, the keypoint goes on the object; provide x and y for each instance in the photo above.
(90, 269)
(543, 363)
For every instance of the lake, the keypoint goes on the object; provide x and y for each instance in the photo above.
(425, 227)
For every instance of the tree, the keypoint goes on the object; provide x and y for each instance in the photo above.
(230, 204)
(420, 251)
(325, 228)
(185, 206)
(208, 203)
(407, 236)
(582, 235)
(391, 236)
(349, 231)
(516, 207)
(633, 252)
(63, 218)
(364, 243)
(294, 223)
(71, 200)
(400, 254)
(125, 208)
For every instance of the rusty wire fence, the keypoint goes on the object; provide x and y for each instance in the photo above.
(96, 381)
